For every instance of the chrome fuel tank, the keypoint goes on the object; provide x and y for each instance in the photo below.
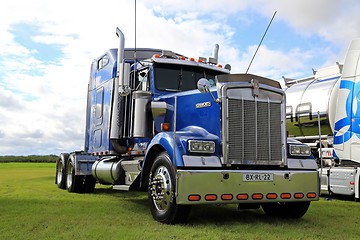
(306, 97)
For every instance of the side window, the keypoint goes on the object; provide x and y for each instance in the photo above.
(99, 103)
(102, 62)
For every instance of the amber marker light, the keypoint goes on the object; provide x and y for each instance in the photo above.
(257, 196)
(165, 127)
(242, 196)
(194, 197)
(285, 195)
(299, 195)
(271, 196)
(210, 197)
(227, 197)
(311, 195)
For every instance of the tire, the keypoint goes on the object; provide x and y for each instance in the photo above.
(161, 192)
(74, 183)
(60, 178)
(286, 210)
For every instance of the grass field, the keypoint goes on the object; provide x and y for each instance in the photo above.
(32, 207)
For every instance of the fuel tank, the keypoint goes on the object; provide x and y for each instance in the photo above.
(308, 96)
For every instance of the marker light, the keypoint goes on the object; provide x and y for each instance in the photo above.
(210, 197)
(194, 197)
(299, 150)
(311, 195)
(271, 196)
(257, 196)
(165, 127)
(285, 195)
(201, 146)
(156, 56)
(227, 197)
(299, 195)
(182, 58)
(242, 196)
(192, 59)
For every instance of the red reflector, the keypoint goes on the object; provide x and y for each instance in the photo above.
(211, 197)
(352, 183)
(298, 195)
(271, 196)
(242, 196)
(226, 196)
(182, 58)
(257, 196)
(311, 195)
(285, 195)
(194, 197)
(165, 127)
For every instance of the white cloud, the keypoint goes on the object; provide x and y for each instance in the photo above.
(43, 106)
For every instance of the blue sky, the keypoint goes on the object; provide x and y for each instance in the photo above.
(46, 48)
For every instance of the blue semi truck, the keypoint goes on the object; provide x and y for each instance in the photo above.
(188, 132)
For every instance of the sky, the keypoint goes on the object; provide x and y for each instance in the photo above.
(46, 48)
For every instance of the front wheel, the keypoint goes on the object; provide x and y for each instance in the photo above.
(161, 192)
(286, 210)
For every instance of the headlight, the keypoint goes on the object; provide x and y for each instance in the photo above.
(299, 150)
(201, 146)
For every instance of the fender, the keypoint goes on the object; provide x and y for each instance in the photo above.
(164, 141)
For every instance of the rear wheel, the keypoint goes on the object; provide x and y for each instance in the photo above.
(60, 179)
(286, 210)
(161, 192)
(74, 183)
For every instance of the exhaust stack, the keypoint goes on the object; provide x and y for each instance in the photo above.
(214, 59)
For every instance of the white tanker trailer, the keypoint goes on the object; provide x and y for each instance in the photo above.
(333, 95)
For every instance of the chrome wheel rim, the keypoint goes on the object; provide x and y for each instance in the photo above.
(160, 188)
(59, 173)
(69, 176)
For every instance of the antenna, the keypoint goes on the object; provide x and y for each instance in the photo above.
(135, 34)
(261, 41)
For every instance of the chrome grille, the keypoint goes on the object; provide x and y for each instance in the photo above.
(254, 132)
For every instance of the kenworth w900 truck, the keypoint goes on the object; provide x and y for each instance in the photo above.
(188, 132)
(333, 94)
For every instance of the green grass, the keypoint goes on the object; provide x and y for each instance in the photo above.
(32, 207)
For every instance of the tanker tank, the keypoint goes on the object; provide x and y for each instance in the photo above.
(308, 96)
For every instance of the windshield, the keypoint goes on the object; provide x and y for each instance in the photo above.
(176, 78)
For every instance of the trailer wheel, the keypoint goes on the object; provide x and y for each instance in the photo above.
(286, 210)
(74, 183)
(60, 178)
(161, 192)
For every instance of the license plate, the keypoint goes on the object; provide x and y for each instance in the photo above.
(258, 177)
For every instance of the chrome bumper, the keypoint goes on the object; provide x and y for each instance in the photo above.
(227, 186)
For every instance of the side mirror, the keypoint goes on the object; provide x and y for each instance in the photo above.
(203, 85)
